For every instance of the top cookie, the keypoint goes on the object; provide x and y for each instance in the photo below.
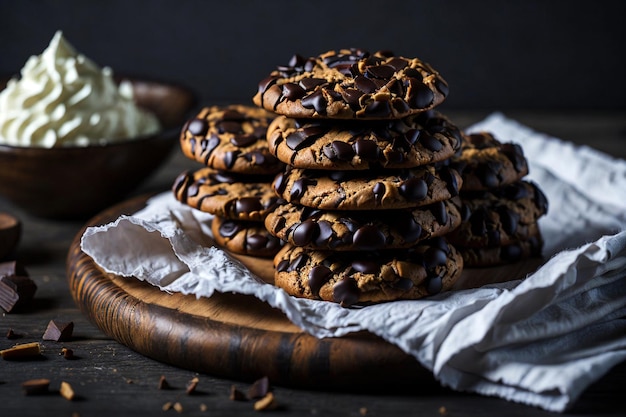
(230, 138)
(352, 83)
(415, 140)
(486, 163)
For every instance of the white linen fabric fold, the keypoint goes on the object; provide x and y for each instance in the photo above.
(539, 341)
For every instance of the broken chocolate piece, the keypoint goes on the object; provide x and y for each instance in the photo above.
(259, 388)
(59, 331)
(163, 384)
(236, 394)
(16, 287)
(36, 386)
(12, 335)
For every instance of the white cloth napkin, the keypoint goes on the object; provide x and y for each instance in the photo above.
(540, 341)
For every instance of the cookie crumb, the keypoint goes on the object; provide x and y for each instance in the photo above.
(167, 406)
(178, 407)
(203, 407)
(443, 410)
(67, 353)
(66, 391)
(363, 411)
(36, 386)
(268, 402)
(191, 386)
(23, 351)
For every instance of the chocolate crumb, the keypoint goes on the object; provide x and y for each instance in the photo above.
(268, 402)
(11, 335)
(59, 331)
(259, 388)
(36, 386)
(163, 384)
(191, 386)
(236, 395)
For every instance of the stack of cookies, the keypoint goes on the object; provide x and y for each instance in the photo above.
(234, 182)
(369, 192)
(500, 208)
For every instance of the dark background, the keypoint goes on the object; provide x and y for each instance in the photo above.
(496, 55)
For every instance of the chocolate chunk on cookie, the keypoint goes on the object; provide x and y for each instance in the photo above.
(351, 83)
(415, 140)
(487, 256)
(244, 237)
(500, 216)
(226, 194)
(350, 278)
(367, 190)
(230, 138)
(362, 230)
(485, 162)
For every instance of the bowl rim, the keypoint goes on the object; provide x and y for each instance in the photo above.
(165, 134)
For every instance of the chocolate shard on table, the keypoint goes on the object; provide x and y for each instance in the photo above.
(16, 287)
(58, 331)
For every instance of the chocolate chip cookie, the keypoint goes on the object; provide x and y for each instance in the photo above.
(500, 216)
(351, 83)
(367, 190)
(485, 162)
(349, 278)
(244, 237)
(362, 230)
(416, 140)
(226, 194)
(230, 138)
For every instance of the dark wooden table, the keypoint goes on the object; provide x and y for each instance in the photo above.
(110, 379)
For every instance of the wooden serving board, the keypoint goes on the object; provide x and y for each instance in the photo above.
(238, 336)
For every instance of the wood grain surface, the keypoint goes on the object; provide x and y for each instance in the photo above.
(111, 379)
(228, 335)
(239, 336)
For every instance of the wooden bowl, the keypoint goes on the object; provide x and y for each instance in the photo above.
(10, 233)
(71, 182)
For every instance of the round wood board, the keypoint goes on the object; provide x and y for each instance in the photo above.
(237, 336)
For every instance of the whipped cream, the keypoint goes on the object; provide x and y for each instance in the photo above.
(65, 99)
